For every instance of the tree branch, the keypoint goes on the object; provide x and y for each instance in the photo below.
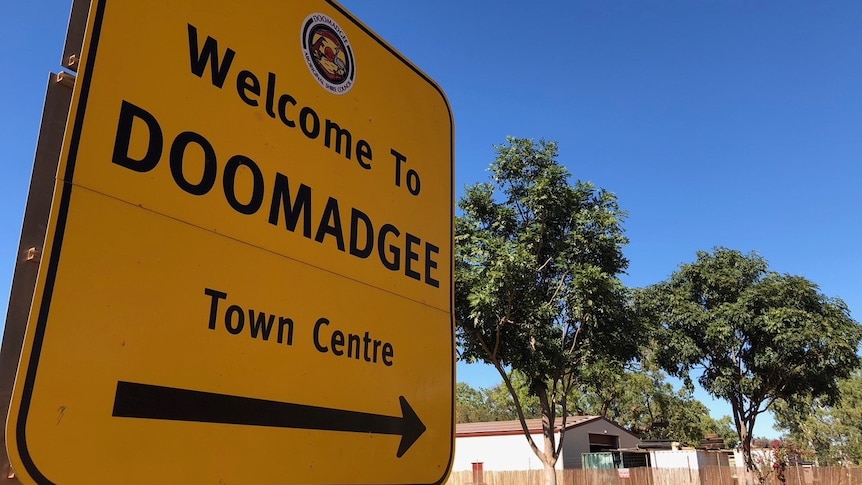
(518, 408)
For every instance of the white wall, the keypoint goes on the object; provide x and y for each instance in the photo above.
(512, 453)
(691, 459)
(498, 453)
(757, 454)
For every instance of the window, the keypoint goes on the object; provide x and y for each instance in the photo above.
(603, 442)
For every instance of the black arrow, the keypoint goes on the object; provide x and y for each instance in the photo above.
(135, 400)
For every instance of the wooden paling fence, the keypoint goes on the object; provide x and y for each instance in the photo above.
(659, 476)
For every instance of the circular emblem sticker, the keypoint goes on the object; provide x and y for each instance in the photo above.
(328, 54)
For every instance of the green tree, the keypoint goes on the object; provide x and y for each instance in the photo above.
(494, 403)
(641, 401)
(757, 335)
(724, 428)
(537, 288)
(470, 404)
(645, 403)
(832, 432)
(500, 399)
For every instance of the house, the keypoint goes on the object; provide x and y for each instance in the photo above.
(502, 445)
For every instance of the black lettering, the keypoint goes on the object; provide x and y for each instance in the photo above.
(229, 180)
(376, 349)
(360, 346)
(304, 114)
(283, 101)
(388, 354)
(330, 223)
(320, 322)
(282, 323)
(393, 264)
(178, 149)
(431, 263)
(128, 114)
(228, 319)
(338, 343)
(208, 53)
(353, 346)
(250, 89)
(399, 159)
(195, 170)
(334, 131)
(357, 215)
(246, 82)
(414, 184)
(292, 210)
(216, 296)
(365, 341)
(260, 325)
(270, 94)
(411, 255)
(363, 151)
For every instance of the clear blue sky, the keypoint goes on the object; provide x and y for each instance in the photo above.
(731, 123)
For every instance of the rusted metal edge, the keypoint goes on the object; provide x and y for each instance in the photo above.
(57, 101)
(55, 111)
(75, 34)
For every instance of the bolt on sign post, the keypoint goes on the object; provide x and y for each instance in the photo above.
(247, 270)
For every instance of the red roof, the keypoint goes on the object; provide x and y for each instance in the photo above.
(499, 428)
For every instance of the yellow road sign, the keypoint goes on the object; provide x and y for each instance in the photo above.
(247, 275)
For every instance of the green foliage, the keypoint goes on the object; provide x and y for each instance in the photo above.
(503, 404)
(833, 433)
(537, 282)
(494, 403)
(471, 405)
(756, 335)
(724, 428)
(537, 265)
(641, 401)
(645, 403)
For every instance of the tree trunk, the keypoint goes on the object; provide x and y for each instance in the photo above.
(550, 474)
(750, 474)
(744, 427)
(549, 419)
(550, 458)
(746, 450)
